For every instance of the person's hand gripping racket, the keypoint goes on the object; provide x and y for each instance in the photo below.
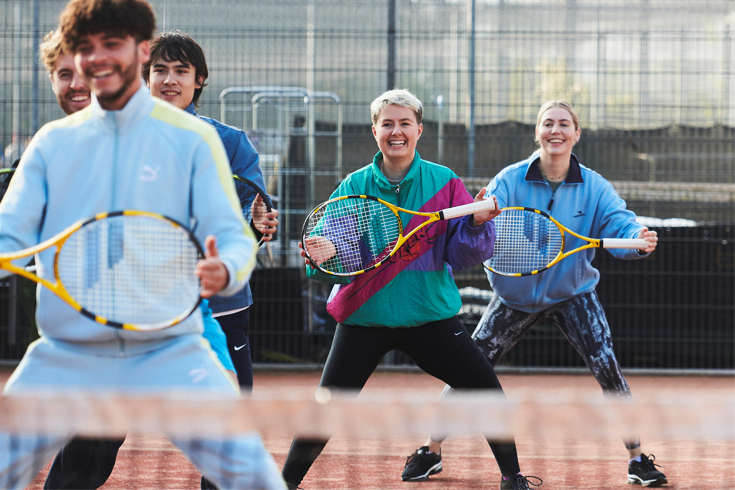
(325, 250)
(264, 221)
(651, 238)
(483, 216)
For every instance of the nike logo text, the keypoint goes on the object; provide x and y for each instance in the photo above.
(238, 348)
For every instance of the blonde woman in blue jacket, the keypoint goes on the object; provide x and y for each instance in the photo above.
(553, 180)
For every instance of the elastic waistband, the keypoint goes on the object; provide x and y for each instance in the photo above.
(119, 347)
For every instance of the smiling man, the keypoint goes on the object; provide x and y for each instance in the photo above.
(71, 92)
(96, 161)
(86, 462)
(177, 73)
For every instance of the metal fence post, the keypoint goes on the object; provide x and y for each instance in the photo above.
(471, 90)
(34, 80)
(391, 44)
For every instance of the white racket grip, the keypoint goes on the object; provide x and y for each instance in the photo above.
(464, 210)
(624, 243)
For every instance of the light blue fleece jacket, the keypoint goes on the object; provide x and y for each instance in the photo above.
(148, 156)
(586, 203)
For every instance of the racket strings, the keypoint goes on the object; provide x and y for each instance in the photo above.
(131, 269)
(352, 234)
(526, 242)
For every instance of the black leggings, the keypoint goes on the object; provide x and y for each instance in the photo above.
(442, 349)
(236, 326)
(83, 464)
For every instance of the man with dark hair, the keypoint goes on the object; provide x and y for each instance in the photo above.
(177, 72)
(113, 18)
(105, 165)
(185, 54)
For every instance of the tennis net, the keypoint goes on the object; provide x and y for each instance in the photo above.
(569, 439)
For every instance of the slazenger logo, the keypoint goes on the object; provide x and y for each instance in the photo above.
(149, 173)
(579, 214)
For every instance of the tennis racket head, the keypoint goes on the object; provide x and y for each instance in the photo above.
(255, 203)
(131, 269)
(527, 242)
(350, 235)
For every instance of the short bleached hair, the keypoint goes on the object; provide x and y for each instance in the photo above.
(399, 97)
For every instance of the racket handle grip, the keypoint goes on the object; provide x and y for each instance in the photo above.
(624, 243)
(464, 210)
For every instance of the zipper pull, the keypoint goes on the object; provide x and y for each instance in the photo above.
(398, 188)
(551, 203)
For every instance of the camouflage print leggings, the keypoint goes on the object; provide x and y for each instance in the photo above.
(583, 322)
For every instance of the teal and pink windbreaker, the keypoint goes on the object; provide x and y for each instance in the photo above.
(417, 286)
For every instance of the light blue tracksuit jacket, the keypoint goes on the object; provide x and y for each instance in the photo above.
(93, 161)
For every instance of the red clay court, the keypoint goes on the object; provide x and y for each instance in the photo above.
(468, 462)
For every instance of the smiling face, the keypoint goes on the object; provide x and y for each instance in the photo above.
(397, 133)
(556, 133)
(71, 92)
(110, 66)
(174, 82)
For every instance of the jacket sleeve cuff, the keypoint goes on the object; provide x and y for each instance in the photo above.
(233, 285)
(476, 230)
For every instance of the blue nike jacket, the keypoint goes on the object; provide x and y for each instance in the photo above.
(244, 161)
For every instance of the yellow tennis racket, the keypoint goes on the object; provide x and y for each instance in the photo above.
(349, 235)
(127, 269)
(530, 241)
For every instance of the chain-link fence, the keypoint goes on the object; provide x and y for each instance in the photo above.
(652, 81)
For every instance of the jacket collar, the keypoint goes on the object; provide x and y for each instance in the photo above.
(138, 107)
(533, 174)
(191, 109)
(382, 180)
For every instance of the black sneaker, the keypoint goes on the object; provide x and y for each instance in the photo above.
(291, 486)
(645, 473)
(421, 464)
(519, 482)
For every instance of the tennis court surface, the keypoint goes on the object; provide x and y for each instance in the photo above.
(556, 438)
